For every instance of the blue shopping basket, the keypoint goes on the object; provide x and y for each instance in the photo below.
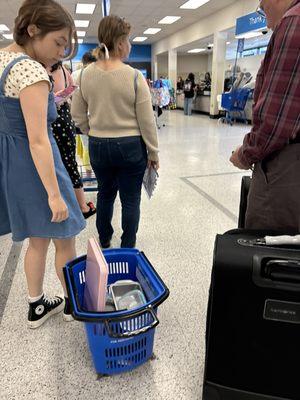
(234, 104)
(122, 340)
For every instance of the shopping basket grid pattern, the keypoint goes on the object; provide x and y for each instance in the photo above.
(119, 341)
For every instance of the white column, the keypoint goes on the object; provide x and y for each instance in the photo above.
(154, 68)
(172, 66)
(218, 68)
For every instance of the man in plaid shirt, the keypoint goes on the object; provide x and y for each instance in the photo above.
(273, 145)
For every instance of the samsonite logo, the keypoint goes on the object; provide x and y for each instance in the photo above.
(282, 311)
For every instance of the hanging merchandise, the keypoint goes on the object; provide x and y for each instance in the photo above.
(160, 93)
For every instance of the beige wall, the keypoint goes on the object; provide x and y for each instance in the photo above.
(198, 64)
(194, 63)
(162, 65)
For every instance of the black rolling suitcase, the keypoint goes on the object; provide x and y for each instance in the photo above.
(245, 187)
(253, 325)
(253, 319)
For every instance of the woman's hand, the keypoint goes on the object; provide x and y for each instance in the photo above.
(154, 164)
(59, 209)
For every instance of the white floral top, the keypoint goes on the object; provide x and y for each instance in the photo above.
(23, 74)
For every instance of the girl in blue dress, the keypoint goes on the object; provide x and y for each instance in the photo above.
(37, 199)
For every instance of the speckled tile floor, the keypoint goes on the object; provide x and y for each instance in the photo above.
(197, 197)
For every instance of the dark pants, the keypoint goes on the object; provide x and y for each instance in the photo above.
(274, 196)
(119, 165)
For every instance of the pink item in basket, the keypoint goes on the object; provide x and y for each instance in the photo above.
(96, 274)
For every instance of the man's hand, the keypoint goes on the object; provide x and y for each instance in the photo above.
(234, 159)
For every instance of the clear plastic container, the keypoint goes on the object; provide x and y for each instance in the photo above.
(133, 299)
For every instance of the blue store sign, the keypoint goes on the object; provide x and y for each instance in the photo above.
(250, 22)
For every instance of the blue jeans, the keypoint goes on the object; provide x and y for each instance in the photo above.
(188, 105)
(119, 165)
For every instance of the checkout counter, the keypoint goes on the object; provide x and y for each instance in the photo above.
(201, 102)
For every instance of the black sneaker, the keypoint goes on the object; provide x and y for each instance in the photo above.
(67, 315)
(41, 310)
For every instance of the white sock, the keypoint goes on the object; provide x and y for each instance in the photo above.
(34, 299)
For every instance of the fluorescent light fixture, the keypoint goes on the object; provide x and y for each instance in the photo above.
(85, 8)
(80, 23)
(152, 31)
(249, 35)
(81, 33)
(139, 39)
(193, 4)
(169, 20)
(210, 45)
(228, 43)
(80, 41)
(8, 36)
(3, 28)
(196, 51)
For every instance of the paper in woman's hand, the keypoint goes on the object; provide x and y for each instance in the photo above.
(150, 180)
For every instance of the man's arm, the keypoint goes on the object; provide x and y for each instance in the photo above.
(278, 106)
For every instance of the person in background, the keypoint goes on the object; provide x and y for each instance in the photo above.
(82, 140)
(114, 107)
(273, 145)
(189, 92)
(207, 82)
(180, 83)
(37, 199)
(64, 132)
(86, 60)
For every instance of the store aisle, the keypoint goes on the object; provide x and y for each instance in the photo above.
(197, 197)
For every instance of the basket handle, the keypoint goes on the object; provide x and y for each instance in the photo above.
(124, 335)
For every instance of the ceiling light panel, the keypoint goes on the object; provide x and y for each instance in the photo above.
(152, 31)
(193, 4)
(85, 8)
(79, 23)
(193, 51)
(139, 39)
(4, 28)
(8, 36)
(169, 20)
(81, 33)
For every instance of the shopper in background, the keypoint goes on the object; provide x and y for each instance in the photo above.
(114, 107)
(86, 60)
(273, 145)
(207, 82)
(189, 92)
(64, 132)
(82, 140)
(180, 83)
(37, 200)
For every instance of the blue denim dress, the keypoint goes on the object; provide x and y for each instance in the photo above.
(24, 208)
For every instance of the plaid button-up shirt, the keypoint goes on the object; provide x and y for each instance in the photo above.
(276, 109)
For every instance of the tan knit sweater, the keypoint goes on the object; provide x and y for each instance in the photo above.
(107, 106)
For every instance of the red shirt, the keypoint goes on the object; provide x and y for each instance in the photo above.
(276, 110)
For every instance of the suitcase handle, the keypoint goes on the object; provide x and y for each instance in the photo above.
(283, 271)
(276, 273)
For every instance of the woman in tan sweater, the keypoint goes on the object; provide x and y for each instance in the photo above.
(113, 106)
